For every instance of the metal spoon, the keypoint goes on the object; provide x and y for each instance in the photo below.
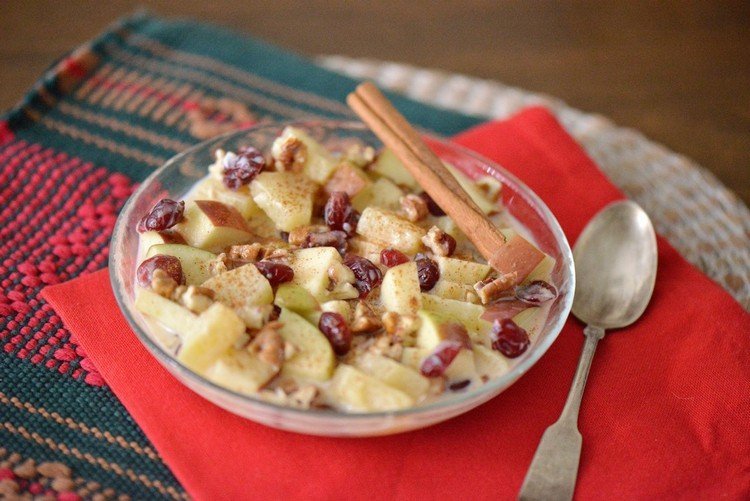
(615, 260)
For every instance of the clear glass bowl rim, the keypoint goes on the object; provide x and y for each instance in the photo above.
(501, 382)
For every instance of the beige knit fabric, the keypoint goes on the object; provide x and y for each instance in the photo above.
(700, 217)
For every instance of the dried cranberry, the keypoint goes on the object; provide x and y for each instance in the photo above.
(334, 327)
(276, 273)
(242, 168)
(170, 264)
(339, 214)
(428, 273)
(433, 207)
(165, 214)
(284, 235)
(508, 338)
(367, 275)
(436, 363)
(392, 257)
(536, 292)
(328, 239)
(460, 385)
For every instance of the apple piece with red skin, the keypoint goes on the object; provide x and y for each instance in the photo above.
(212, 225)
(517, 257)
(150, 238)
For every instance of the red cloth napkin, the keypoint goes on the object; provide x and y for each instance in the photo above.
(666, 411)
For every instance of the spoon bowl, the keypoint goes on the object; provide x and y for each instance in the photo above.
(615, 260)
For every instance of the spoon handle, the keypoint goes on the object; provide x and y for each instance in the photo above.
(554, 469)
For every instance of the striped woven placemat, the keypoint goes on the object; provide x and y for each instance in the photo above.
(99, 121)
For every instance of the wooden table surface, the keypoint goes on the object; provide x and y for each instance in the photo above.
(677, 71)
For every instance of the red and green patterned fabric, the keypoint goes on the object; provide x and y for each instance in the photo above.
(101, 119)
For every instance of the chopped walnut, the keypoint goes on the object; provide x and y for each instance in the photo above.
(162, 283)
(245, 252)
(219, 265)
(279, 254)
(388, 345)
(493, 288)
(403, 326)
(269, 345)
(194, 298)
(360, 155)
(365, 320)
(414, 207)
(299, 236)
(290, 154)
(255, 316)
(439, 242)
(302, 398)
(341, 282)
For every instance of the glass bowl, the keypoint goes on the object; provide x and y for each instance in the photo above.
(177, 177)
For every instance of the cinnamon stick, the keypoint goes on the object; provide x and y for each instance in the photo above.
(428, 170)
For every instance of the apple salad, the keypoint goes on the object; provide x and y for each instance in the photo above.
(320, 278)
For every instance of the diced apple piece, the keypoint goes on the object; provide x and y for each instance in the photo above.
(431, 332)
(240, 371)
(362, 393)
(460, 271)
(213, 189)
(365, 248)
(382, 193)
(151, 238)
(394, 374)
(314, 358)
(318, 163)
(412, 356)
(338, 306)
(532, 319)
(387, 164)
(462, 368)
(285, 197)
(296, 298)
(212, 225)
(451, 290)
(215, 331)
(485, 205)
(517, 255)
(311, 271)
(489, 362)
(195, 262)
(262, 226)
(347, 178)
(379, 225)
(467, 314)
(400, 290)
(543, 271)
(240, 287)
(175, 317)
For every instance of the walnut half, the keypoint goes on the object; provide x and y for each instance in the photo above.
(493, 288)
(365, 320)
(414, 207)
(439, 242)
(269, 345)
